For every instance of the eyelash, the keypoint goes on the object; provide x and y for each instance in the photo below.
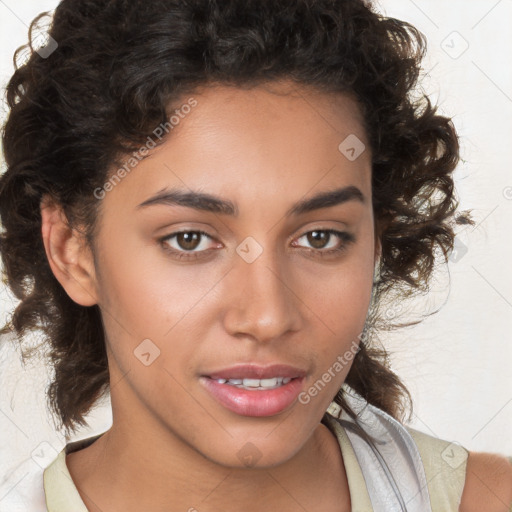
(345, 237)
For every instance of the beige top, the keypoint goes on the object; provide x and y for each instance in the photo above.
(444, 463)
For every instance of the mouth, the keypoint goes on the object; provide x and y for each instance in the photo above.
(251, 390)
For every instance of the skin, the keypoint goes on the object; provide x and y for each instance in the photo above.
(264, 149)
(488, 484)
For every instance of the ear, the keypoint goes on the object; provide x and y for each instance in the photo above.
(68, 254)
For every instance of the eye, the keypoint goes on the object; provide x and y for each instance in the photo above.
(323, 242)
(183, 242)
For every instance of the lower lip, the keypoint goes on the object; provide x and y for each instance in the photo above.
(254, 403)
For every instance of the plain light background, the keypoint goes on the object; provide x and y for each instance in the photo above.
(457, 363)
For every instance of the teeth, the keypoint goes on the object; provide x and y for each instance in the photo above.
(253, 383)
(272, 383)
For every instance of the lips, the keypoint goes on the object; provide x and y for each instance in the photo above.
(251, 390)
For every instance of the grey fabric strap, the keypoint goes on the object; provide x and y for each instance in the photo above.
(388, 457)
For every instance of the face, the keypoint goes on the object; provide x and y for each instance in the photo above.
(254, 279)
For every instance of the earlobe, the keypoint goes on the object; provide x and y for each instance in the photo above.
(68, 254)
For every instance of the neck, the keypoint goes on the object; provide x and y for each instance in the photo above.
(159, 472)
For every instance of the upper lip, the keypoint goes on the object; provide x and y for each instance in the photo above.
(253, 371)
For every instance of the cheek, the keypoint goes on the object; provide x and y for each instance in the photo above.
(341, 294)
(143, 288)
(340, 301)
(153, 305)
(341, 318)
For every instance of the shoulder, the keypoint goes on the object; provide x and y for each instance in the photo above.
(488, 484)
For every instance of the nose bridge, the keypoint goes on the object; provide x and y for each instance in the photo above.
(263, 305)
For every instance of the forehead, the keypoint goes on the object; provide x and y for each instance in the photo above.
(276, 140)
(272, 113)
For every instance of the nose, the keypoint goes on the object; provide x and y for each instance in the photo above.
(263, 304)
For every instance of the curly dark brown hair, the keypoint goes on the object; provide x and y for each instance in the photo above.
(119, 66)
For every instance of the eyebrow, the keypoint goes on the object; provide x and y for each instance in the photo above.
(215, 204)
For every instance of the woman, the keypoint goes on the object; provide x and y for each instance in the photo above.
(205, 202)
